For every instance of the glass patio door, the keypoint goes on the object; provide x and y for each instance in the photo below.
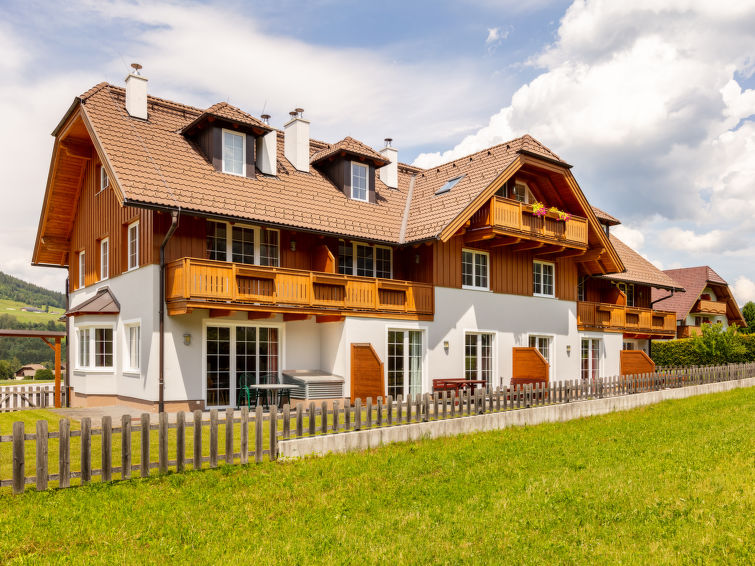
(590, 358)
(404, 362)
(244, 355)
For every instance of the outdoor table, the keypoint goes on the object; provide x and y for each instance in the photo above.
(456, 384)
(273, 391)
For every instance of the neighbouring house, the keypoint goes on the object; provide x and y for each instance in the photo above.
(27, 371)
(332, 266)
(707, 300)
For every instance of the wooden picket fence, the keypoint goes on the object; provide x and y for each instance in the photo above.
(258, 435)
(19, 397)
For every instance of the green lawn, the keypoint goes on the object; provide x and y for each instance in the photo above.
(13, 308)
(4, 382)
(670, 483)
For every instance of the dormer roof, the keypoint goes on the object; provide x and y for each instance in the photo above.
(605, 218)
(348, 146)
(228, 114)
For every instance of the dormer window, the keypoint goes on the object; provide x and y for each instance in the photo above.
(234, 149)
(104, 181)
(359, 188)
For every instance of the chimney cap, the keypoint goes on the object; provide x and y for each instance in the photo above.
(136, 67)
(265, 118)
(388, 142)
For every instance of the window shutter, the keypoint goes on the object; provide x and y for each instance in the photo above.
(250, 148)
(371, 184)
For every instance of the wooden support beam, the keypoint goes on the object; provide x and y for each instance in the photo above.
(290, 317)
(254, 315)
(553, 250)
(590, 255)
(218, 313)
(77, 149)
(57, 373)
(478, 235)
(329, 318)
(504, 241)
(525, 246)
(55, 243)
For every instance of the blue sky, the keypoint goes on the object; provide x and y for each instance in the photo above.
(652, 102)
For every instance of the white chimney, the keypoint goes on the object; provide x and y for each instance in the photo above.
(296, 141)
(267, 151)
(389, 173)
(136, 93)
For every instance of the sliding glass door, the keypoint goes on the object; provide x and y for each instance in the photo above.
(404, 362)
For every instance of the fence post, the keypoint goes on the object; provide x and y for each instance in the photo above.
(125, 447)
(162, 442)
(418, 404)
(369, 412)
(324, 417)
(19, 462)
(399, 409)
(41, 455)
(180, 441)
(286, 421)
(86, 450)
(197, 461)
(312, 419)
(390, 410)
(244, 432)
(107, 448)
(452, 395)
(144, 465)
(380, 411)
(299, 420)
(64, 453)
(444, 403)
(436, 396)
(229, 435)
(214, 438)
(347, 414)
(258, 432)
(357, 413)
(274, 431)
(409, 399)
(335, 415)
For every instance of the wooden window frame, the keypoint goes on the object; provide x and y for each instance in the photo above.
(257, 241)
(82, 269)
(353, 245)
(475, 253)
(104, 273)
(243, 152)
(135, 226)
(535, 292)
(366, 181)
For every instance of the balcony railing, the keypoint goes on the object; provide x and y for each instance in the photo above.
(710, 307)
(686, 331)
(516, 218)
(199, 283)
(619, 318)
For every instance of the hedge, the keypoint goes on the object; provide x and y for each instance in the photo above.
(689, 352)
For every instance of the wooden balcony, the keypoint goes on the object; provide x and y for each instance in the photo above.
(629, 320)
(512, 218)
(689, 331)
(198, 283)
(709, 307)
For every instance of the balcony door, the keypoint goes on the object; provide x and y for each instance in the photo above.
(236, 355)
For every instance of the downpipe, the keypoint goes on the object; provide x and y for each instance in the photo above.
(161, 387)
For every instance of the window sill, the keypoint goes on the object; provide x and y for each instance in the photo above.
(540, 295)
(132, 373)
(470, 288)
(234, 174)
(103, 371)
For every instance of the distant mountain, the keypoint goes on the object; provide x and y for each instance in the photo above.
(16, 289)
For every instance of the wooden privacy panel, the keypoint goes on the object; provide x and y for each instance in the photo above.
(529, 367)
(366, 373)
(635, 362)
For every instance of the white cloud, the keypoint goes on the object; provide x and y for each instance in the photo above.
(744, 290)
(633, 238)
(687, 240)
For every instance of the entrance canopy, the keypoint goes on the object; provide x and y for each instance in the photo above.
(48, 337)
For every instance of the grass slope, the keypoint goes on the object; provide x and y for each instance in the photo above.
(670, 483)
(13, 308)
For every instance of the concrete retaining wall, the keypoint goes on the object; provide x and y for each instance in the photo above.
(365, 439)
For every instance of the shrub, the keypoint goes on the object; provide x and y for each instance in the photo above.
(44, 374)
(674, 353)
(714, 346)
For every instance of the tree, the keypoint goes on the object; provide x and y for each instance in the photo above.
(749, 313)
(716, 345)
(43, 374)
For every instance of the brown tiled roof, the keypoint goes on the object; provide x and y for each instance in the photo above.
(155, 165)
(353, 147)
(225, 111)
(694, 280)
(104, 302)
(430, 213)
(638, 269)
(605, 217)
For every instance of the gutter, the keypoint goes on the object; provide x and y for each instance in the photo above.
(662, 298)
(161, 387)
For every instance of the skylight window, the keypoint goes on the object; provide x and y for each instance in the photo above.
(449, 185)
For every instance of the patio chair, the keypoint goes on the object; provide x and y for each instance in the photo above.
(247, 391)
(284, 395)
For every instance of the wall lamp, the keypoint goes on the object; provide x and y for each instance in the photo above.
(292, 245)
(187, 339)
(445, 346)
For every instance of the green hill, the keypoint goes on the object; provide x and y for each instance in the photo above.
(15, 289)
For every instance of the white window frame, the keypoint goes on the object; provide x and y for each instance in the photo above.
(82, 269)
(243, 152)
(90, 366)
(366, 180)
(257, 241)
(551, 341)
(423, 357)
(528, 198)
(474, 269)
(104, 179)
(128, 368)
(133, 226)
(282, 361)
(354, 246)
(601, 352)
(493, 355)
(534, 290)
(81, 341)
(104, 259)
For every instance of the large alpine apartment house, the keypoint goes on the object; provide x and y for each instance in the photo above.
(206, 249)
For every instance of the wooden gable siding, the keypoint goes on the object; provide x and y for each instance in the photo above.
(99, 215)
(510, 272)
